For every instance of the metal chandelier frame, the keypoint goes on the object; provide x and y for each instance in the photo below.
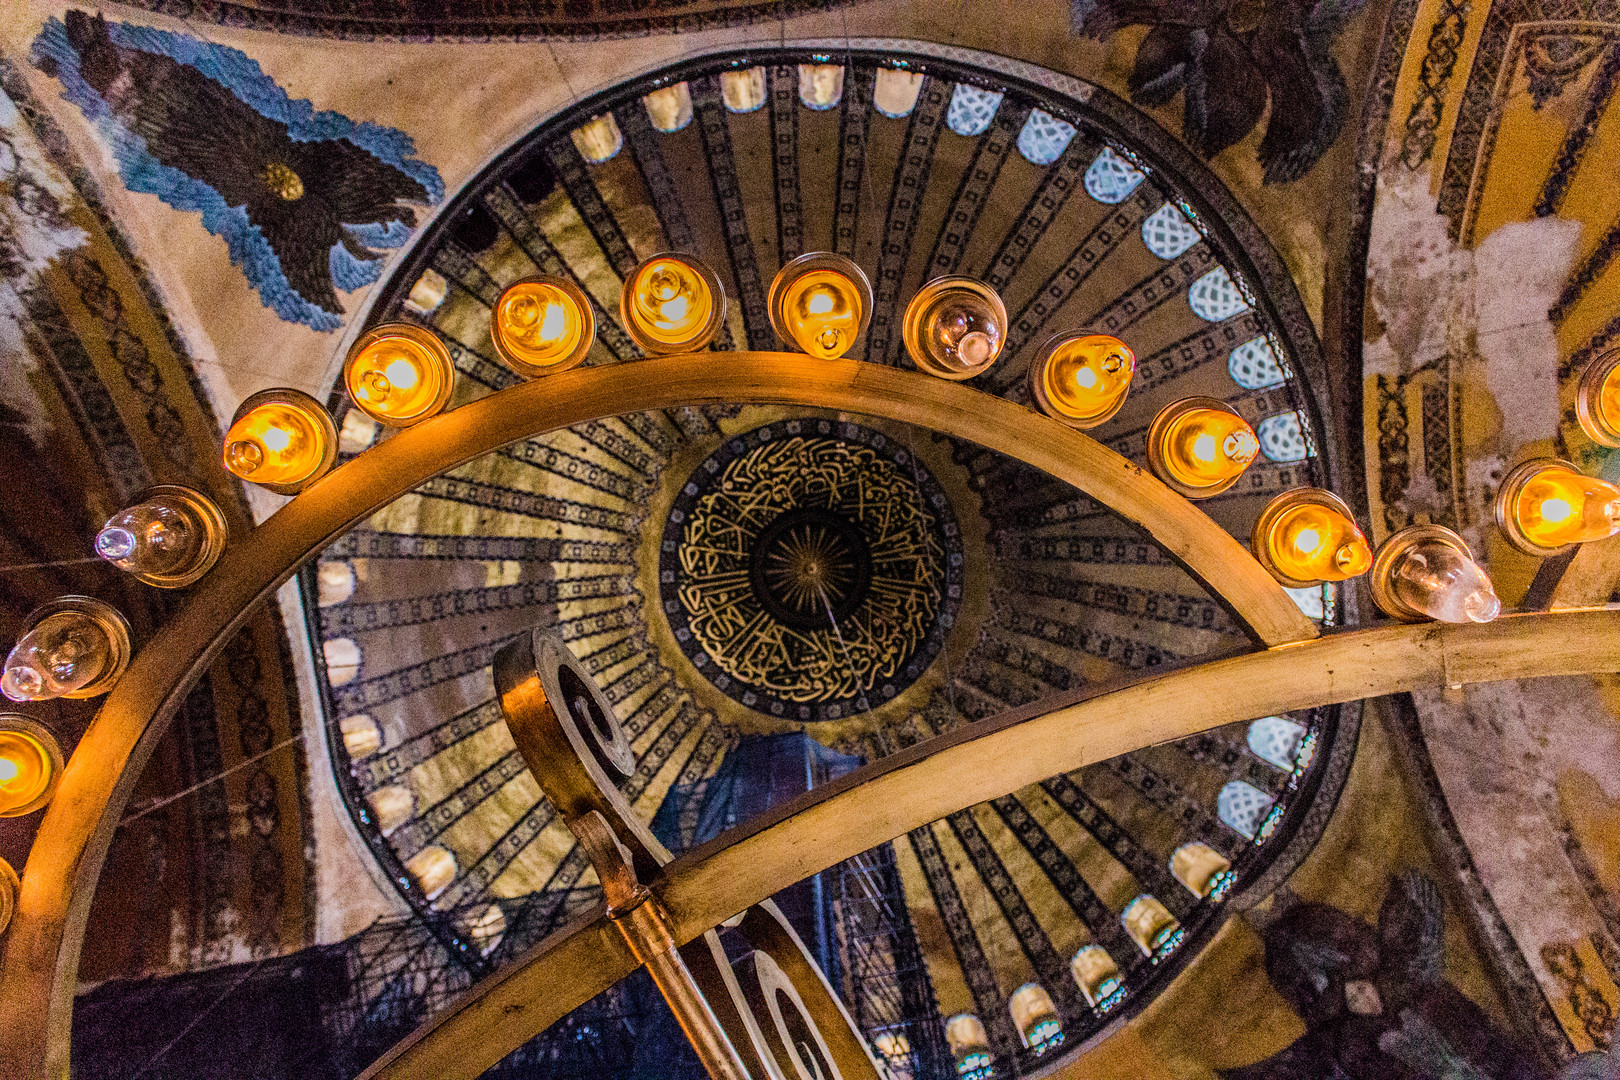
(1292, 667)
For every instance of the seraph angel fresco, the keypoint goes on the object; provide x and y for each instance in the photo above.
(1228, 58)
(303, 199)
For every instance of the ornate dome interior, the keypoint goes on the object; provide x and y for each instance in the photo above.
(1375, 236)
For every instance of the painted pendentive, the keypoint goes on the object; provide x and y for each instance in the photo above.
(303, 199)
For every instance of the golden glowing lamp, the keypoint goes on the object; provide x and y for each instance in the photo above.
(74, 647)
(542, 325)
(169, 539)
(1082, 378)
(672, 304)
(820, 302)
(30, 765)
(1545, 505)
(281, 440)
(1199, 446)
(1427, 572)
(9, 886)
(1307, 536)
(1597, 399)
(955, 327)
(399, 374)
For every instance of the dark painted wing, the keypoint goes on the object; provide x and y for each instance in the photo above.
(1099, 18)
(1309, 96)
(1411, 930)
(1161, 64)
(1226, 93)
(299, 194)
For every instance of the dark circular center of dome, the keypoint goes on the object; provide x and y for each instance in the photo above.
(810, 568)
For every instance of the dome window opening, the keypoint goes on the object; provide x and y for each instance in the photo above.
(1111, 177)
(1242, 807)
(1205, 872)
(970, 1047)
(895, 92)
(1167, 232)
(1253, 365)
(598, 139)
(669, 108)
(1035, 1017)
(972, 110)
(1276, 740)
(743, 91)
(1216, 297)
(1044, 137)
(1097, 975)
(821, 86)
(1150, 924)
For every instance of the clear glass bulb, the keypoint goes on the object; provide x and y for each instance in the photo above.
(65, 652)
(1439, 580)
(957, 328)
(159, 536)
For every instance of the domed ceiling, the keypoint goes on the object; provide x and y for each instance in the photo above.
(727, 571)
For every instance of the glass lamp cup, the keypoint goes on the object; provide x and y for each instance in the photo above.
(955, 328)
(1199, 446)
(30, 765)
(1427, 572)
(281, 440)
(1082, 379)
(73, 647)
(820, 303)
(1597, 399)
(1307, 536)
(399, 374)
(672, 304)
(169, 539)
(1547, 505)
(542, 325)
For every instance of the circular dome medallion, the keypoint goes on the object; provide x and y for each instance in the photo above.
(810, 569)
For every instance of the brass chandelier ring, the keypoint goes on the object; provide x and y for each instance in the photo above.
(38, 969)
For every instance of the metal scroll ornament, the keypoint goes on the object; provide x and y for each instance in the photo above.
(771, 1014)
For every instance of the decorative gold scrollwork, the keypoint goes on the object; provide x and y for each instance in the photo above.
(769, 1016)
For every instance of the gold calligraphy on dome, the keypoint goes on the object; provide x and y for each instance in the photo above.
(872, 643)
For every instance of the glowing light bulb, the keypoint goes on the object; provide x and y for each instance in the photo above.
(1307, 536)
(955, 327)
(672, 304)
(1200, 447)
(169, 539)
(1427, 572)
(75, 646)
(1545, 505)
(1597, 399)
(399, 374)
(542, 325)
(282, 440)
(1082, 379)
(820, 302)
(30, 764)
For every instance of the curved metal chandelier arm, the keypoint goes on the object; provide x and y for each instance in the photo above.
(39, 965)
(982, 761)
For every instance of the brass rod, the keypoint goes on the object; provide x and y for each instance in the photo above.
(646, 931)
